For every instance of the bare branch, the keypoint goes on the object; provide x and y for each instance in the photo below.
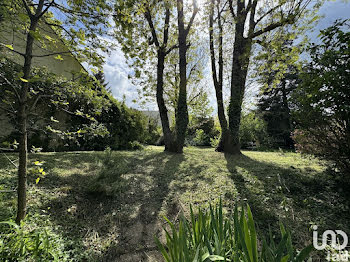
(151, 25)
(13, 163)
(194, 13)
(47, 8)
(7, 110)
(273, 26)
(12, 86)
(12, 50)
(171, 49)
(37, 100)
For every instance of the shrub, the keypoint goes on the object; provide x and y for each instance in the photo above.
(201, 131)
(323, 99)
(253, 129)
(209, 236)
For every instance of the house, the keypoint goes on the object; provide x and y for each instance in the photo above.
(49, 51)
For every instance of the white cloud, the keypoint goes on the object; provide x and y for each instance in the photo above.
(116, 73)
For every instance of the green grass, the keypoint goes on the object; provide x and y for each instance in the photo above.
(110, 210)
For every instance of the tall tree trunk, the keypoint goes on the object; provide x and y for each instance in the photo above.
(182, 111)
(240, 62)
(22, 122)
(218, 80)
(168, 136)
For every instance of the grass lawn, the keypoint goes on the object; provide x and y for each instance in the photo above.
(109, 207)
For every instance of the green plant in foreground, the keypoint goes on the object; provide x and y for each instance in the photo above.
(209, 236)
(21, 244)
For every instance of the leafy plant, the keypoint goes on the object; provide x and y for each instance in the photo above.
(210, 236)
(19, 243)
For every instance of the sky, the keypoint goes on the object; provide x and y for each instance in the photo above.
(116, 69)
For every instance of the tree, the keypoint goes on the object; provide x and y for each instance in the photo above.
(156, 38)
(252, 20)
(278, 74)
(88, 16)
(182, 110)
(323, 99)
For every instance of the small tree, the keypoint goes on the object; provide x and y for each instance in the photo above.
(323, 98)
(89, 16)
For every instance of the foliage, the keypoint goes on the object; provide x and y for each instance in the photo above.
(323, 98)
(253, 130)
(49, 118)
(210, 236)
(124, 125)
(201, 131)
(20, 243)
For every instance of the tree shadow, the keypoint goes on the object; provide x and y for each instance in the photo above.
(119, 226)
(295, 197)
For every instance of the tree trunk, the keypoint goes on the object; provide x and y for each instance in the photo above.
(163, 112)
(218, 81)
(22, 122)
(182, 111)
(240, 62)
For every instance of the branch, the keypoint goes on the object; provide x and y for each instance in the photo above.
(26, 6)
(2, 44)
(39, 9)
(36, 101)
(267, 13)
(231, 8)
(171, 49)
(272, 27)
(166, 27)
(13, 163)
(12, 86)
(47, 8)
(7, 110)
(151, 25)
(252, 23)
(194, 13)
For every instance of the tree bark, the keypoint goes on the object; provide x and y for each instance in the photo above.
(182, 110)
(163, 112)
(240, 62)
(22, 121)
(218, 80)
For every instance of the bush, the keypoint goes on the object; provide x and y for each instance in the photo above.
(19, 243)
(323, 99)
(209, 236)
(253, 130)
(201, 132)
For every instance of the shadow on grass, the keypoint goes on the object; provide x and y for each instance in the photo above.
(121, 224)
(293, 196)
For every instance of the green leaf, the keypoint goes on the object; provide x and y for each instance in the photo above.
(37, 180)
(23, 80)
(59, 57)
(9, 47)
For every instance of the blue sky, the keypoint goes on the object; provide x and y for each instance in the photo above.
(117, 71)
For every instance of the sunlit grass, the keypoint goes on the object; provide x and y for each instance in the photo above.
(107, 210)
